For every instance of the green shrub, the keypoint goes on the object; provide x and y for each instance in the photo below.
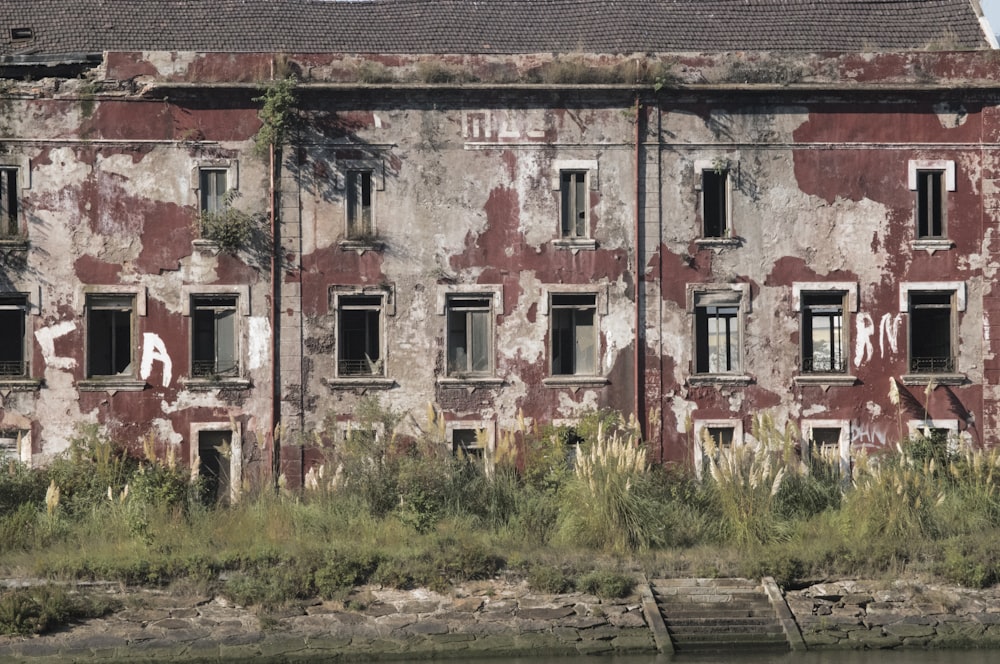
(549, 579)
(606, 584)
(37, 610)
(342, 570)
(972, 561)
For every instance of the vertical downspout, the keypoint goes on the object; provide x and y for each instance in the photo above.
(638, 348)
(275, 341)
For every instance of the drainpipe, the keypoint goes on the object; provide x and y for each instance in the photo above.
(275, 341)
(637, 347)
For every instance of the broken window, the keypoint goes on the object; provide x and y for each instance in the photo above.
(573, 193)
(13, 315)
(213, 184)
(466, 443)
(715, 203)
(10, 224)
(110, 338)
(470, 335)
(213, 336)
(823, 346)
(574, 334)
(214, 472)
(360, 216)
(930, 204)
(931, 335)
(359, 343)
(717, 332)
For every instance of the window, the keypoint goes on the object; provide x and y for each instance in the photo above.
(467, 443)
(360, 215)
(359, 340)
(930, 204)
(13, 310)
(823, 346)
(110, 335)
(573, 194)
(9, 209)
(931, 337)
(470, 335)
(715, 203)
(213, 185)
(724, 435)
(574, 334)
(213, 336)
(15, 445)
(827, 447)
(717, 332)
(214, 466)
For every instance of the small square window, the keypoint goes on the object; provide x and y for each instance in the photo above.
(13, 443)
(13, 316)
(823, 333)
(931, 335)
(574, 334)
(574, 199)
(717, 332)
(715, 203)
(213, 184)
(467, 443)
(10, 216)
(931, 207)
(110, 335)
(359, 339)
(214, 349)
(360, 205)
(470, 334)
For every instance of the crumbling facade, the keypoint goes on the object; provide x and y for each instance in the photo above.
(693, 238)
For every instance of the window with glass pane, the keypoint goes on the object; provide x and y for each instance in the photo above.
(823, 333)
(213, 347)
(359, 350)
(469, 335)
(213, 184)
(931, 348)
(109, 335)
(717, 333)
(573, 192)
(574, 334)
(360, 219)
(9, 216)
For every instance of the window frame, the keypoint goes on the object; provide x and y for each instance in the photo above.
(18, 302)
(473, 303)
(235, 428)
(19, 167)
(355, 180)
(201, 303)
(338, 296)
(956, 294)
(725, 168)
(844, 442)
(445, 294)
(584, 174)
(11, 220)
(370, 303)
(801, 293)
(704, 296)
(487, 426)
(120, 302)
(698, 453)
(345, 169)
(231, 169)
(600, 294)
(919, 172)
(241, 294)
(574, 304)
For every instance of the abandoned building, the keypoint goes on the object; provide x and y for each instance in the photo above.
(693, 211)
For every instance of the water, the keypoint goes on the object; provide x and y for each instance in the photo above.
(818, 657)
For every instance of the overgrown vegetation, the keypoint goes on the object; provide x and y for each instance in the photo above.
(234, 229)
(565, 509)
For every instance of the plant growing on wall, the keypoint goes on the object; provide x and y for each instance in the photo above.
(230, 228)
(276, 114)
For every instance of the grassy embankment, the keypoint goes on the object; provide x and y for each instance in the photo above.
(404, 512)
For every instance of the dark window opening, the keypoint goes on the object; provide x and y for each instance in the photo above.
(823, 333)
(360, 220)
(9, 217)
(465, 443)
(21, 34)
(109, 335)
(13, 311)
(574, 334)
(931, 349)
(715, 203)
(930, 204)
(214, 451)
(213, 348)
(573, 192)
(717, 336)
(214, 186)
(469, 331)
(360, 342)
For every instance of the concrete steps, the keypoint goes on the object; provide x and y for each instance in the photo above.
(718, 615)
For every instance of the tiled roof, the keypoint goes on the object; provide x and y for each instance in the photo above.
(487, 26)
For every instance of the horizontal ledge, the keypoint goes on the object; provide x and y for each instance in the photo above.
(826, 380)
(20, 384)
(112, 384)
(366, 383)
(486, 381)
(575, 245)
(208, 384)
(720, 379)
(936, 378)
(718, 241)
(575, 381)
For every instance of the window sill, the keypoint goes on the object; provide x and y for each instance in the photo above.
(930, 245)
(20, 384)
(718, 241)
(575, 381)
(469, 382)
(9, 244)
(362, 382)
(826, 380)
(112, 384)
(575, 244)
(720, 379)
(936, 378)
(209, 384)
(361, 246)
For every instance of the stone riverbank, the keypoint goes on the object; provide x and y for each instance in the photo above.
(489, 618)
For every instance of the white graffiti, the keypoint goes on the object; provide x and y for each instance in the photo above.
(46, 342)
(153, 348)
(888, 332)
(863, 348)
(865, 435)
